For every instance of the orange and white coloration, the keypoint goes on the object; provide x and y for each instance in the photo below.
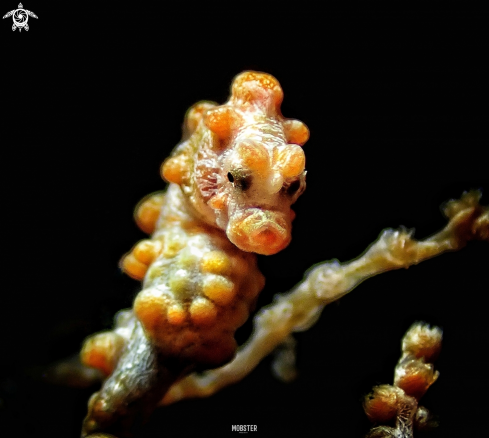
(232, 181)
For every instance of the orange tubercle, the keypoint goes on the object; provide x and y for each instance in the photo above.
(195, 114)
(222, 121)
(296, 132)
(150, 308)
(135, 263)
(255, 87)
(147, 250)
(290, 159)
(133, 267)
(102, 351)
(175, 169)
(202, 311)
(219, 289)
(215, 262)
(254, 156)
(176, 314)
(218, 202)
(147, 212)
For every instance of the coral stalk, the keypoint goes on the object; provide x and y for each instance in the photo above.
(298, 309)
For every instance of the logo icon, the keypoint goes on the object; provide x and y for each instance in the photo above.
(20, 17)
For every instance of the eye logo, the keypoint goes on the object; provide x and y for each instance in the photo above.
(20, 17)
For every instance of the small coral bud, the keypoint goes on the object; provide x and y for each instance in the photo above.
(215, 262)
(176, 314)
(421, 341)
(148, 210)
(150, 308)
(290, 160)
(194, 115)
(147, 250)
(415, 377)
(133, 267)
(202, 311)
(175, 169)
(296, 132)
(381, 405)
(468, 200)
(424, 419)
(254, 156)
(222, 121)
(219, 289)
(102, 351)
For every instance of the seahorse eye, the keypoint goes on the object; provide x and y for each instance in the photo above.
(243, 183)
(293, 187)
(239, 179)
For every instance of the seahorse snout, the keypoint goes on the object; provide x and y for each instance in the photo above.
(260, 231)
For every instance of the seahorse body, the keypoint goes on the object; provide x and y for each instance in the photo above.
(232, 181)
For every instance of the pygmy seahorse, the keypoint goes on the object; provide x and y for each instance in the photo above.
(233, 179)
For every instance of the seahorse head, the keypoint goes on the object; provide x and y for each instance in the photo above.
(242, 165)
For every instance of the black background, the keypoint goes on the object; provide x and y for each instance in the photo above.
(92, 102)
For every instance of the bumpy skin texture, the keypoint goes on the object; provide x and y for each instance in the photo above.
(232, 181)
(237, 172)
(198, 289)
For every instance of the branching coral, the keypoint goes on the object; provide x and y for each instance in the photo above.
(300, 308)
(414, 374)
(233, 178)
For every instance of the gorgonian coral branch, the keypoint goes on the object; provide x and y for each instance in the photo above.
(327, 282)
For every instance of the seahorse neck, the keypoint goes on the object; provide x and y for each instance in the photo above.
(178, 211)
